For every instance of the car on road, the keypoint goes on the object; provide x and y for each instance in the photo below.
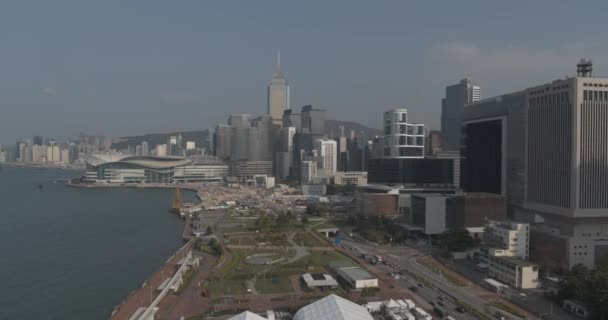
(420, 285)
(441, 298)
(414, 288)
(461, 309)
(440, 303)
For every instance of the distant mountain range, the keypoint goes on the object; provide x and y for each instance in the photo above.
(153, 139)
(202, 138)
(332, 129)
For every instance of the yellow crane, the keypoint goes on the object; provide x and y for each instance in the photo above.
(177, 201)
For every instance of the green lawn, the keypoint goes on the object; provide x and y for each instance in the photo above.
(273, 283)
(233, 276)
(273, 239)
(316, 261)
(323, 225)
(308, 240)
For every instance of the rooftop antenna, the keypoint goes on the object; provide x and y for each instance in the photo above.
(278, 60)
(584, 68)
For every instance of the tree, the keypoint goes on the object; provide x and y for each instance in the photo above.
(310, 209)
(573, 285)
(262, 223)
(304, 220)
(456, 239)
(216, 247)
(349, 188)
(597, 298)
(282, 221)
(209, 230)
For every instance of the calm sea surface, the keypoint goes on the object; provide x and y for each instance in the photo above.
(71, 253)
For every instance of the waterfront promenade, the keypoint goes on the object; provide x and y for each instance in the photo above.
(148, 295)
(145, 295)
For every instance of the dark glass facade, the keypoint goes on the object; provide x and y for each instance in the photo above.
(411, 171)
(482, 152)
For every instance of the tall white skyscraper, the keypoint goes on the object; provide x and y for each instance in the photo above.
(328, 150)
(52, 153)
(161, 150)
(145, 149)
(278, 95)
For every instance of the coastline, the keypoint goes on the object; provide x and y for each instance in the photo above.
(139, 296)
(134, 186)
(39, 166)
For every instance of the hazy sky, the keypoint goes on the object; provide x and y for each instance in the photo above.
(132, 67)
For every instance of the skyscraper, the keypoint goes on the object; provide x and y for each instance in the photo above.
(328, 151)
(452, 107)
(292, 119)
(285, 153)
(37, 141)
(313, 120)
(402, 139)
(433, 142)
(145, 151)
(278, 95)
(161, 150)
(545, 148)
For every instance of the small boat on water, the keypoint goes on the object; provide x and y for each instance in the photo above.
(40, 186)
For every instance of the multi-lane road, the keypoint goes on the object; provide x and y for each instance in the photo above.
(402, 258)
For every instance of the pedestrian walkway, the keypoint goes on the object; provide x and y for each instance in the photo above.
(191, 301)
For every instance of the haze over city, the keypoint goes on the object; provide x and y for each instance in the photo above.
(119, 68)
(313, 160)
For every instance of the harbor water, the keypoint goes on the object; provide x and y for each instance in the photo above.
(75, 253)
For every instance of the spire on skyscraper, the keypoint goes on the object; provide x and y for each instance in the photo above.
(278, 74)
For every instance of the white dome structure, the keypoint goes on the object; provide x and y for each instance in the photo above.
(247, 316)
(333, 307)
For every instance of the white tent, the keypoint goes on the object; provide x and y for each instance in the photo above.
(332, 307)
(392, 304)
(247, 316)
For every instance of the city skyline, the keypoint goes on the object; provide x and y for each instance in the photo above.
(101, 71)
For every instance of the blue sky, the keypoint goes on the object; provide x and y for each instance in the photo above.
(132, 67)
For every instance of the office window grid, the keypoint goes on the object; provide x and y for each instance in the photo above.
(594, 150)
(549, 149)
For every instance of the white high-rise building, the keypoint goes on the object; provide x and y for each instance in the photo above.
(328, 151)
(161, 150)
(308, 170)
(474, 92)
(190, 145)
(39, 154)
(52, 154)
(64, 156)
(401, 138)
(145, 149)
